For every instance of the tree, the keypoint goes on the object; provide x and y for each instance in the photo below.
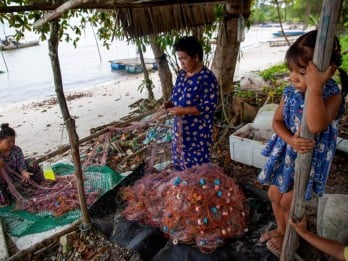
(227, 48)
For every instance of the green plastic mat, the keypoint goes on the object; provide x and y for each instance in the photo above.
(20, 222)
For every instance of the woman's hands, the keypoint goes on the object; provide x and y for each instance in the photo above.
(179, 110)
(26, 175)
(301, 145)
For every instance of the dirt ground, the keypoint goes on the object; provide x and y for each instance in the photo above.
(96, 246)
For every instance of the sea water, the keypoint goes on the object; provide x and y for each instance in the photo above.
(27, 72)
(30, 77)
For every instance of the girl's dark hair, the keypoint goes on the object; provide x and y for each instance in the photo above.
(190, 45)
(6, 131)
(301, 52)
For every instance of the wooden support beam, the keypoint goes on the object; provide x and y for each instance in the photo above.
(322, 57)
(59, 11)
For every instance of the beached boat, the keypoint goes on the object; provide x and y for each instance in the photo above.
(10, 44)
(288, 33)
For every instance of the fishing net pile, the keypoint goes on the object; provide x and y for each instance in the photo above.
(200, 205)
(124, 147)
(58, 196)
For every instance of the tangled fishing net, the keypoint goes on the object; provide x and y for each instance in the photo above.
(200, 205)
(58, 197)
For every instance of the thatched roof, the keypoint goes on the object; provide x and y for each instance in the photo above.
(144, 21)
(136, 17)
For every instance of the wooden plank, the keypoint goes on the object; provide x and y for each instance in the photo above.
(280, 42)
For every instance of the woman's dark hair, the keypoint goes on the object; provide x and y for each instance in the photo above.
(190, 45)
(301, 52)
(6, 131)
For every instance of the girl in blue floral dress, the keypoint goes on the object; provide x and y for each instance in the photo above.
(325, 104)
(193, 103)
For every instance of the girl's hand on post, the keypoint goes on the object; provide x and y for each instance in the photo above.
(301, 145)
(315, 79)
(300, 227)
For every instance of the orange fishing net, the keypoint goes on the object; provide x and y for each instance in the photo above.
(200, 205)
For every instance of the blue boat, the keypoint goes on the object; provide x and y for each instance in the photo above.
(288, 33)
(134, 68)
(133, 65)
(117, 66)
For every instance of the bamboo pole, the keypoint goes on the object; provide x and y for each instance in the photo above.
(322, 57)
(69, 121)
(147, 82)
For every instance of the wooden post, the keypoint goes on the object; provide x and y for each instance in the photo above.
(322, 56)
(69, 121)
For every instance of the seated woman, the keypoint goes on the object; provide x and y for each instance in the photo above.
(12, 160)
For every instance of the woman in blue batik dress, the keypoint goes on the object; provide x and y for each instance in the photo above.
(193, 102)
(325, 104)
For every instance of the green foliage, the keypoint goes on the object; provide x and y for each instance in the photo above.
(243, 93)
(270, 73)
(144, 84)
(291, 11)
(344, 50)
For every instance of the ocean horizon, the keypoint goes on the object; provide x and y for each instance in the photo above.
(30, 77)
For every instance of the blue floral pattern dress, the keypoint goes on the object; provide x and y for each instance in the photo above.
(279, 169)
(192, 137)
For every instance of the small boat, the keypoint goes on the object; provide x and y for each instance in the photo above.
(133, 65)
(10, 44)
(288, 33)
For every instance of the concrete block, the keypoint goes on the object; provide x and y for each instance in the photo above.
(332, 215)
(66, 241)
(3, 245)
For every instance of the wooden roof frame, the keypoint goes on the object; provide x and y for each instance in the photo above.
(111, 4)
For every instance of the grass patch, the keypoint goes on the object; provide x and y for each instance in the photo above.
(270, 73)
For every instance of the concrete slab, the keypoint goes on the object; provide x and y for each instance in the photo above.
(3, 245)
(332, 215)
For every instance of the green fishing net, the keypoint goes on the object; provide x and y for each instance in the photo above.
(20, 222)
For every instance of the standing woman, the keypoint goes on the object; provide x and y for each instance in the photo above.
(12, 160)
(193, 102)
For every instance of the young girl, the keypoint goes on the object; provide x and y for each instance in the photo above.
(325, 104)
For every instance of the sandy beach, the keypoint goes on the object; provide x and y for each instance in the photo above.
(39, 124)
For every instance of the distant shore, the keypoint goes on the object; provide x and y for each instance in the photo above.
(40, 127)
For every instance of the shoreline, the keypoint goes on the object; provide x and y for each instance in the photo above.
(39, 124)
